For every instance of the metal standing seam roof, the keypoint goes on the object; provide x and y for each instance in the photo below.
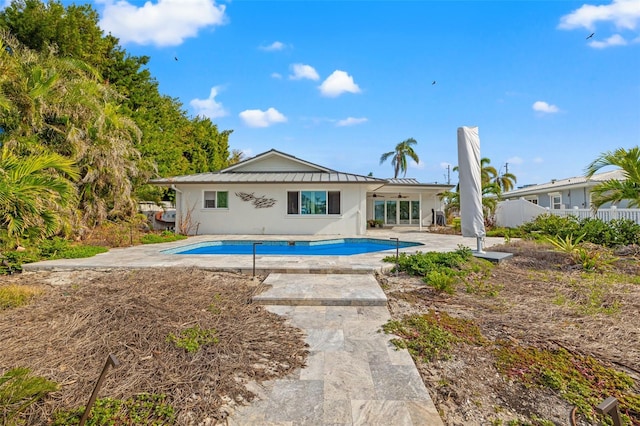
(403, 181)
(269, 177)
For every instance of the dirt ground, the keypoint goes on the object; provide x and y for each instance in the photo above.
(534, 299)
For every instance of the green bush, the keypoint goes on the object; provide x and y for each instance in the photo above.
(163, 237)
(46, 249)
(192, 338)
(59, 248)
(617, 232)
(431, 335)
(552, 225)
(142, 409)
(625, 232)
(441, 281)
(506, 232)
(421, 264)
(18, 391)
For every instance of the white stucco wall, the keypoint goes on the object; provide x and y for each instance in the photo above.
(242, 217)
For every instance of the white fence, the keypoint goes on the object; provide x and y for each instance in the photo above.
(513, 213)
(604, 214)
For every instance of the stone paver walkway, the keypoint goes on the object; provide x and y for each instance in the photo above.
(354, 375)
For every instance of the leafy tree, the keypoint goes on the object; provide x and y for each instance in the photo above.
(506, 181)
(237, 156)
(399, 156)
(73, 32)
(171, 143)
(59, 105)
(492, 186)
(487, 171)
(613, 190)
(34, 193)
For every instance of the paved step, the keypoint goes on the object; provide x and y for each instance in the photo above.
(354, 376)
(322, 290)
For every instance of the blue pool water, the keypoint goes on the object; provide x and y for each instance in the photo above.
(337, 247)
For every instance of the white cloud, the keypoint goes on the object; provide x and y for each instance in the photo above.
(544, 107)
(301, 71)
(420, 165)
(165, 23)
(515, 160)
(351, 121)
(259, 118)
(338, 83)
(538, 160)
(444, 165)
(209, 107)
(614, 40)
(623, 13)
(273, 47)
(276, 75)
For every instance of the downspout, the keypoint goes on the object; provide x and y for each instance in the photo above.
(178, 207)
(420, 212)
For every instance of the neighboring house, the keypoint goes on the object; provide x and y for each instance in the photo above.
(276, 193)
(568, 193)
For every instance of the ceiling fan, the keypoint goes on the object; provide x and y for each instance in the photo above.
(402, 196)
(377, 196)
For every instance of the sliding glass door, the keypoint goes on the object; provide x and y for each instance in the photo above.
(391, 213)
(404, 212)
(397, 212)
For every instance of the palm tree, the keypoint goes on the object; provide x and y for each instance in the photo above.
(33, 192)
(490, 186)
(399, 156)
(613, 190)
(505, 181)
(487, 171)
(61, 105)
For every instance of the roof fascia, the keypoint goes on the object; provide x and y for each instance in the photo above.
(263, 155)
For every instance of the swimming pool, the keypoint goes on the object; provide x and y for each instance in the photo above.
(334, 247)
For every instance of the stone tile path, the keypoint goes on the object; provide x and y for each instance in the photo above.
(354, 375)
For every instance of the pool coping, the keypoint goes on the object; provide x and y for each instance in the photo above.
(151, 256)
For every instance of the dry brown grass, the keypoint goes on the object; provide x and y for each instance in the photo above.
(67, 333)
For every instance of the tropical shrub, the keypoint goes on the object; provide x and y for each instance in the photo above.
(617, 232)
(421, 263)
(552, 225)
(142, 409)
(163, 237)
(19, 390)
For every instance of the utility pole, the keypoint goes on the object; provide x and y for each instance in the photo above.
(448, 174)
(506, 168)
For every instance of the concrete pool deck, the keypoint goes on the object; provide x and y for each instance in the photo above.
(151, 256)
(354, 375)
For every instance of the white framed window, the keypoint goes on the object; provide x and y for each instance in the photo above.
(556, 201)
(215, 200)
(313, 202)
(533, 200)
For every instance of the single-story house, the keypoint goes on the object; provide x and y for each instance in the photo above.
(568, 193)
(277, 193)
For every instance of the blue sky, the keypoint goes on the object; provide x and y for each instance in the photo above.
(338, 83)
